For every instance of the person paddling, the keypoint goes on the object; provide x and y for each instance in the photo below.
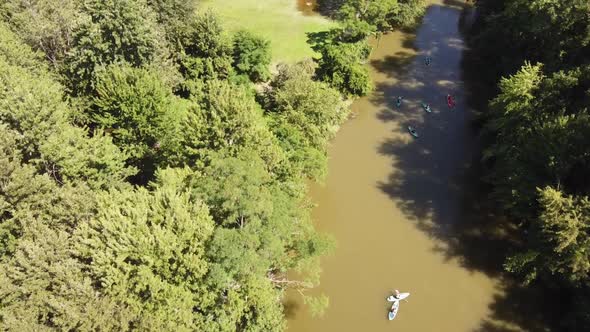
(450, 101)
(399, 101)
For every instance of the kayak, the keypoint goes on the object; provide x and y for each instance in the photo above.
(401, 296)
(394, 310)
(450, 101)
(413, 131)
(398, 103)
(426, 107)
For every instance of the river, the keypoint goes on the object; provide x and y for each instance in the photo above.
(393, 202)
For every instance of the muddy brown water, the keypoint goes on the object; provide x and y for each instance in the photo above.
(307, 7)
(393, 202)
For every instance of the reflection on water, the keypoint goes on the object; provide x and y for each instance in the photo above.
(307, 7)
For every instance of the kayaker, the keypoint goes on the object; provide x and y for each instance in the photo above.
(450, 101)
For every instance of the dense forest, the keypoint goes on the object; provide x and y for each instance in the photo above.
(153, 166)
(536, 133)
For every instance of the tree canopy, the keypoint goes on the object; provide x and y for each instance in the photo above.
(536, 129)
(149, 182)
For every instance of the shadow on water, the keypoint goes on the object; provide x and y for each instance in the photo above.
(436, 183)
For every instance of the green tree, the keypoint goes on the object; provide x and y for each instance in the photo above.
(31, 104)
(376, 12)
(342, 66)
(118, 31)
(46, 25)
(43, 287)
(556, 33)
(140, 112)
(228, 119)
(174, 15)
(16, 53)
(251, 56)
(560, 239)
(147, 252)
(265, 231)
(305, 115)
(381, 15)
(206, 53)
(511, 114)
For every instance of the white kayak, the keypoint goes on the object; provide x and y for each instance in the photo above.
(401, 296)
(393, 311)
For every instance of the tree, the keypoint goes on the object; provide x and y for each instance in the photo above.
(16, 53)
(31, 104)
(341, 65)
(382, 15)
(118, 31)
(206, 53)
(228, 119)
(47, 25)
(560, 239)
(304, 115)
(376, 12)
(140, 112)
(264, 232)
(556, 33)
(147, 252)
(251, 56)
(511, 114)
(43, 287)
(174, 16)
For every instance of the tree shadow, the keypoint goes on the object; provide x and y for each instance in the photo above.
(290, 308)
(317, 40)
(436, 182)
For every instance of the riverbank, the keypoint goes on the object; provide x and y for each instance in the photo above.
(279, 21)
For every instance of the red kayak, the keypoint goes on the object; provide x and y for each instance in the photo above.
(450, 101)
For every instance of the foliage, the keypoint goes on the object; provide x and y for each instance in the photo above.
(47, 25)
(118, 31)
(43, 287)
(317, 305)
(537, 134)
(536, 131)
(251, 56)
(559, 239)
(207, 51)
(377, 13)
(147, 250)
(304, 114)
(140, 112)
(16, 53)
(229, 120)
(382, 15)
(342, 66)
(556, 33)
(218, 215)
(31, 104)
(173, 15)
(265, 232)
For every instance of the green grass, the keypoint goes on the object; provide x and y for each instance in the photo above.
(276, 20)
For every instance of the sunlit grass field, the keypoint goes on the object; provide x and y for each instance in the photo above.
(277, 20)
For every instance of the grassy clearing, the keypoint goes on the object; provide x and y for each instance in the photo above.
(277, 20)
